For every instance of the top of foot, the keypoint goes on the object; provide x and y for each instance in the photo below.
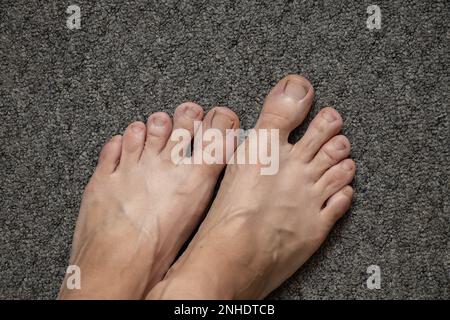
(140, 206)
(262, 228)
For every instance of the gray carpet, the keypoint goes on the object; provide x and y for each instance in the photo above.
(64, 92)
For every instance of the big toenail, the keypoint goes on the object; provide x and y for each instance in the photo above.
(339, 145)
(136, 128)
(158, 122)
(295, 90)
(348, 165)
(222, 121)
(191, 112)
(329, 116)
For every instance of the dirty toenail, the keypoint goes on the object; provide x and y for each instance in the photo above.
(222, 121)
(158, 122)
(329, 116)
(339, 145)
(136, 128)
(191, 112)
(295, 90)
(348, 165)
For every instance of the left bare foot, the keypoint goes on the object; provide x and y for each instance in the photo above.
(139, 207)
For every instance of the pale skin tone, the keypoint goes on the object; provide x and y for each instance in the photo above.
(139, 208)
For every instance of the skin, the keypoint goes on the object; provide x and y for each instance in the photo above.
(261, 229)
(139, 207)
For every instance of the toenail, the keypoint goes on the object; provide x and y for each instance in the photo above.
(222, 121)
(136, 128)
(158, 122)
(348, 191)
(348, 165)
(329, 116)
(295, 90)
(191, 112)
(339, 145)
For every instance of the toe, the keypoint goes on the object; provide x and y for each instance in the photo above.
(159, 127)
(336, 206)
(110, 155)
(335, 178)
(186, 121)
(324, 126)
(287, 105)
(331, 153)
(219, 138)
(132, 143)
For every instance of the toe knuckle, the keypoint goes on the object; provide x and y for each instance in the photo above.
(330, 155)
(320, 126)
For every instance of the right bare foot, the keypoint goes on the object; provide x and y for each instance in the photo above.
(262, 228)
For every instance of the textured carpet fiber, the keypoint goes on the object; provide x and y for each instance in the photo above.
(64, 92)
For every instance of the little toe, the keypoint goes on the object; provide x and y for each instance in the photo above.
(186, 121)
(335, 178)
(159, 127)
(132, 144)
(110, 155)
(324, 126)
(287, 105)
(331, 153)
(336, 206)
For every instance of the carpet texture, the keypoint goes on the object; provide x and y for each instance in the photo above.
(64, 92)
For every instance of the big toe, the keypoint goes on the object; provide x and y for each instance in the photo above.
(287, 105)
(219, 137)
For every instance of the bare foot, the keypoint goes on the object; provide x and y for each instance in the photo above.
(139, 207)
(262, 228)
